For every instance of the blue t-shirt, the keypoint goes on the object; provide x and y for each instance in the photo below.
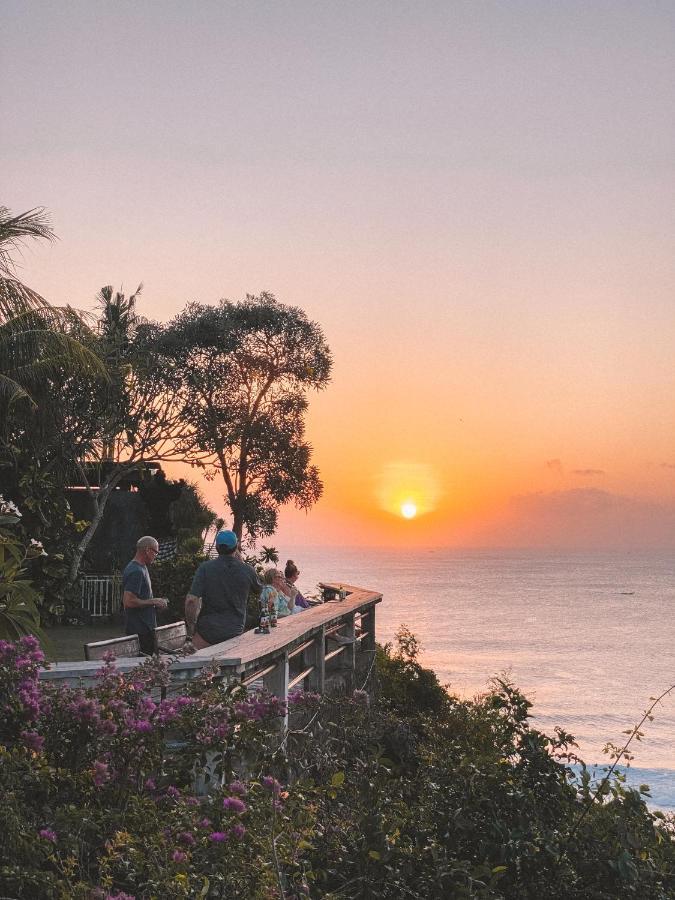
(223, 584)
(136, 580)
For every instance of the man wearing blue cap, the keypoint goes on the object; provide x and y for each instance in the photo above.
(215, 608)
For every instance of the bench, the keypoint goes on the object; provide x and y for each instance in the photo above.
(169, 638)
(122, 647)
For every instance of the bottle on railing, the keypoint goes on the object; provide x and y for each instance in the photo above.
(342, 593)
(264, 623)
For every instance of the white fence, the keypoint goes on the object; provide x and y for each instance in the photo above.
(101, 594)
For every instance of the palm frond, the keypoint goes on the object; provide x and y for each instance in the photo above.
(14, 230)
(16, 298)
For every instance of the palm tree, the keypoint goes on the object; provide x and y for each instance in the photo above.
(118, 321)
(14, 230)
(34, 342)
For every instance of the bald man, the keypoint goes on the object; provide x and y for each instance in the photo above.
(139, 605)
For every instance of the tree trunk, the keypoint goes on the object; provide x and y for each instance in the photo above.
(100, 500)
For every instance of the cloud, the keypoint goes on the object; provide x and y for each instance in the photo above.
(582, 518)
(668, 465)
(587, 472)
(555, 465)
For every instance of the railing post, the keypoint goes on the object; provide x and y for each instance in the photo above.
(316, 656)
(350, 651)
(277, 683)
(368, 624)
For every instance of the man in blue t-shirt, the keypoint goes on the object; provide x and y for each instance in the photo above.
(215, 608)
(139, 604)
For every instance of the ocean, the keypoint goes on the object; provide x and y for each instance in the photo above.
(589, 637)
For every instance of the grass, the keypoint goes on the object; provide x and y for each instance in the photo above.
(67, 641)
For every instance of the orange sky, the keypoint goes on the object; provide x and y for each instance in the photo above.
(475, 201)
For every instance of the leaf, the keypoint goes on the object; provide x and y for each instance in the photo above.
(498, 869)
(337, 779)
(373, 854)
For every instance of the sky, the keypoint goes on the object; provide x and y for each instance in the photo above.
(474, 200)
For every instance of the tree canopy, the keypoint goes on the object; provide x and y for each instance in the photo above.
(242, 372)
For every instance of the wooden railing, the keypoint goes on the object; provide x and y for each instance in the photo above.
(299, 652)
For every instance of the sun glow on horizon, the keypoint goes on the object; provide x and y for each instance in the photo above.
(407, 489)
(408, 510)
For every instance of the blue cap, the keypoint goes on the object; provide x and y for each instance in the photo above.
(227, 539)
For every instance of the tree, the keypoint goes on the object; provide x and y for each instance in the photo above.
(243, 371)
(38, 349)
(116, 430)
(34, 342)
(117, 328)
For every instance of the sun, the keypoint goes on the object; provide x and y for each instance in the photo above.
(408, 510)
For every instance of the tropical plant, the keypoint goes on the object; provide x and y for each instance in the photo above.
(34, 342)
(19, 601)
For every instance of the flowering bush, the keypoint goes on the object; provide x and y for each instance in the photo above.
(124, 790)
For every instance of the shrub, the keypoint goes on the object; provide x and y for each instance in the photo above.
(112, 792)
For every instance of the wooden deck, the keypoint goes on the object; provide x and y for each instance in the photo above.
(296, 653)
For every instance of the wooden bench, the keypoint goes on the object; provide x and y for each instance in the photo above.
(169, 638)
(122, 647)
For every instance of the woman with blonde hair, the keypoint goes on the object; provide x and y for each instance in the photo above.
(274, 593)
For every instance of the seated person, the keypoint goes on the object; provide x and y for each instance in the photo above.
(274, 591)
(291, 572)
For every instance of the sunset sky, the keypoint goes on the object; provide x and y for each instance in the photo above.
(475, 200)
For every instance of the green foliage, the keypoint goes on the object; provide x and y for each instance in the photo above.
(34, 339)
(192, 518)
(241, 372)
(172, 579)
(105, 791)
(19, 601)
(405, 684)
(36, 486)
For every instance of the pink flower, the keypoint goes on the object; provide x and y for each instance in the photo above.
(235, 804)
(32, 740)
(47, 834)
(178, 856)
(271, 784)
(142, 726)
(238, 787)
(238, 831)
(186, 838)
(30, 642)
(218, 837)
(101, 773)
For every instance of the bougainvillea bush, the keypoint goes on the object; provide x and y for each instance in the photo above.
(127, 789)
